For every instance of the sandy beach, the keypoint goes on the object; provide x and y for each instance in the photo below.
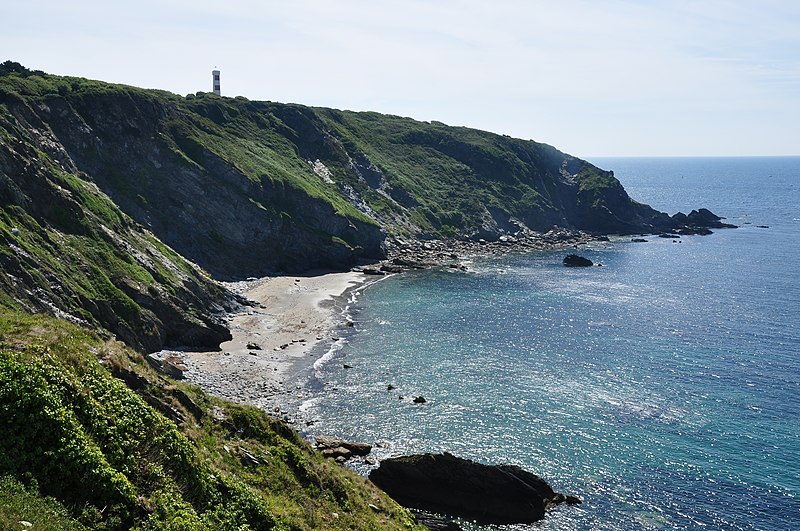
(274, 340)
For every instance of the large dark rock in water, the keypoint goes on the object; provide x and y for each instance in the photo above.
(443, 483)
(702, 218)
(573, 260)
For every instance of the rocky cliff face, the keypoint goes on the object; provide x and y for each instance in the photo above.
(146, 156)
(247, 188)
(67, 250)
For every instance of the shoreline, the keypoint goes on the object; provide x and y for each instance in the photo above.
(296, 321)
(293, 321)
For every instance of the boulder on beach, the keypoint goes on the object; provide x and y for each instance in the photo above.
(574, 260)
(444, 483)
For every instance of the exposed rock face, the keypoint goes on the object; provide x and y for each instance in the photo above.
(573, 260)
(501, 494)
(205, 207)
(75, 255)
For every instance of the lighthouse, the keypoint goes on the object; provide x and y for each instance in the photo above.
(215, 74)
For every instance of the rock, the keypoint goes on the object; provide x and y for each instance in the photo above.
(419, 400)
(386, 268)
(679, 219)
(695, 231)
(573, 260)
(668, 235)
(436, 523)
(443, 483)
(699, 219)
(572, 500)
(337, 453)
(247, 459)
(169, 364)
(410, 263)
(253, 346)
(334, 447)
(390, 387)
(638, 240)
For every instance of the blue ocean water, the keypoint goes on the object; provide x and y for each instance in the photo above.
(662, 388)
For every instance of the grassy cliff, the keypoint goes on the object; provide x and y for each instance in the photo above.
(245, 187)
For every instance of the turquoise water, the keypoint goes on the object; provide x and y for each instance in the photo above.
(662, 388)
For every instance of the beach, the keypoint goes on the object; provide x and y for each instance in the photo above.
(292, 321)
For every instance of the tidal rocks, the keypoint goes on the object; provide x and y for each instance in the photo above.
(574, 260)
(706, 218)
(341, 450)
(698, 219)
(695, 231)
(444, 483)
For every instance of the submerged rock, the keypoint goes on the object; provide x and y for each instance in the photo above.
(444, 483)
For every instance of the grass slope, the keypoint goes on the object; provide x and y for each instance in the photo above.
(80, 448)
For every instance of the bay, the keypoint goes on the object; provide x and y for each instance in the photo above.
(662, 388)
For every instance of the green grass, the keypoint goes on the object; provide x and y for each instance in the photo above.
(20, 504)
(81, 447)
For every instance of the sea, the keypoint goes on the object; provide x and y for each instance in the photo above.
(663, 388)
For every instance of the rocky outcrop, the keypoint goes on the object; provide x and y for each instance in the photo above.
(574, 260)
(501, 494)
(341, 450)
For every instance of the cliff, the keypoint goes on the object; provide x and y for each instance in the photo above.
(245, 188)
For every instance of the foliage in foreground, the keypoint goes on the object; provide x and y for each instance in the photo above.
(81, 449)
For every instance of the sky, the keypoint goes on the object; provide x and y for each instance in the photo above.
(592, 78)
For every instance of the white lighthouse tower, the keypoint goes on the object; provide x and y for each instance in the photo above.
(215, 74)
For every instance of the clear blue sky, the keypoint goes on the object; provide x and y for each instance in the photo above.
(592, 78)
